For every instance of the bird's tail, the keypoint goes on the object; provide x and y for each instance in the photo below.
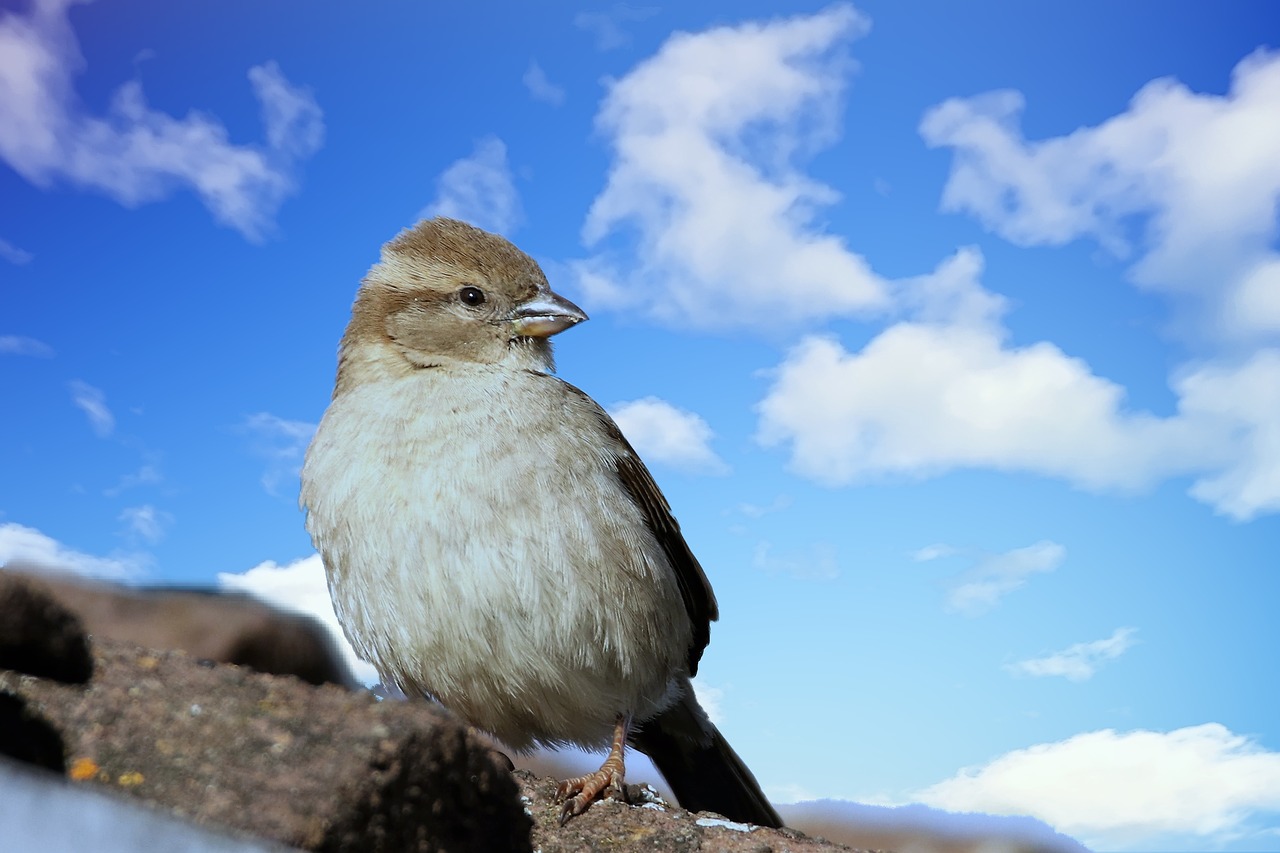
(700, 766)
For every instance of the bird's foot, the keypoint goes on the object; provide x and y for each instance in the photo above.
(581, 791)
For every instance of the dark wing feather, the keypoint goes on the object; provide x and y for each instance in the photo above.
(702, 769)
(695, 589)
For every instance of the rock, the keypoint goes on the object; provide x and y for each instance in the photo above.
(278, 760)
(648, 823)
(208, 624)
(39, 636)
(319, 768)
(44, 812)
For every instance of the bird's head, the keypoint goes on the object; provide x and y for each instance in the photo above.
(447, 292)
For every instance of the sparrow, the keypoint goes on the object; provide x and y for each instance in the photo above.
(490, 538)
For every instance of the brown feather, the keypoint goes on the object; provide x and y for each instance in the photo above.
(695, 589)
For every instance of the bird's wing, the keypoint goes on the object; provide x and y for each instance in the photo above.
(695, 589)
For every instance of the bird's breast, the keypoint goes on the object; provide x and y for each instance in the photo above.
(481, 548)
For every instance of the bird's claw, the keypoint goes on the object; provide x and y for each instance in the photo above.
(582, 791)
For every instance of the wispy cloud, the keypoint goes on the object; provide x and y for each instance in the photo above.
(146, 522)
(540, 87)
(934, 552)
(479, 189)
(978, 589)
(706, 220)
(294, 122)
(135, 154)
(1207, 223)
(817, 563)
(282, 443)
(13, 254)
(93, 403)
(1133, 790)
(1080, 661)
(661, 432)
(26, 547)
(17, 345)
(609, 27)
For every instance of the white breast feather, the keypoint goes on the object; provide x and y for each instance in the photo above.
(534, 619)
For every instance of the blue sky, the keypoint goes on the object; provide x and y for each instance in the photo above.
(951, 331)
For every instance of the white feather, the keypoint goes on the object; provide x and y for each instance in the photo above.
(481, 549)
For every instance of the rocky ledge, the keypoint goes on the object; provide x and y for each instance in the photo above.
(269, 760)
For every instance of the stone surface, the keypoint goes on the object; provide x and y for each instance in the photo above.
(648, 823)
(42, 812)
(227, 627)
(314, 767)
(257, 759)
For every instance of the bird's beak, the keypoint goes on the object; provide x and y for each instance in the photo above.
(545, 314)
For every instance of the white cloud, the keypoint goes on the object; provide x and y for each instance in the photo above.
(945, 390)
(924, 399)
(1127, 790)
(26, 547)
(817, 563)
(283, 444)
(952, 294)
(1077, 662)
(479, 189)
(660, 432)
(146, 522)
(302, 588)
(1197, 174)
(1236, 409)
(93, 403)
(705, 135)
(17, 345)
(13, 254)
(540, 87)
(980, 588)
(608, 26)
(135, 154)
(704, 179)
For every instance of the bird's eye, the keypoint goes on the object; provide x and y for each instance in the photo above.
(472, 296)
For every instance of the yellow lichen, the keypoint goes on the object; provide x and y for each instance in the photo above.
(130, 779)
(82, 769)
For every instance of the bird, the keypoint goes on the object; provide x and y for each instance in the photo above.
(493, 542)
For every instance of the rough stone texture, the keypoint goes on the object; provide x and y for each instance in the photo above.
(318, 768)
(227, 627)
(650, 824)
(42, 812)
(313, 767)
